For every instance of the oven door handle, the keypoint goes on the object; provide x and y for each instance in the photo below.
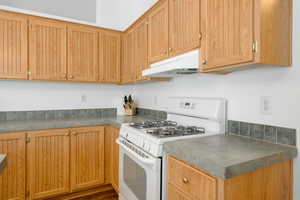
(147, 161)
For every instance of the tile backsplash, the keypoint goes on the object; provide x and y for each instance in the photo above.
(273, 134)
(58, 114)
(155, 114)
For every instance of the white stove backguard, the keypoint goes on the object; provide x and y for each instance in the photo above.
(209, 113)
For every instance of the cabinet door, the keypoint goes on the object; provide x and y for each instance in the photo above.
(87, 157)
(82, 53)
(175, 194)
(110, 56)
(12, 178)
(13, 46)
(115, 159)
(184, 26)
(158, 33)
(227, 28)
(47, 50)
(48, 161)
(141, 46)
(128, 66)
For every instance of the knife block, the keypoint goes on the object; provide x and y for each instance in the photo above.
(130, 109)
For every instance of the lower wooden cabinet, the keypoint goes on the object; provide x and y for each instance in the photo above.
(59, 162)
(48, 163)
(12, 178)
(112, 157)
(186, 182)
(87, 157)
(175, 194)
(115, 159)
(194, 183)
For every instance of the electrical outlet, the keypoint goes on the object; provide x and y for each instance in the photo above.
(155, 100)
(266, 105)
(83, 98)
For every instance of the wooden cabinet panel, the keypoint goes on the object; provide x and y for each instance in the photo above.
(112, 157)
(47, 50)
(141, 46)
(184, 26)
(48, 161)
(13, 46)
(115, 159)
(87, 157)
(227, 28)
(12, 178)
(82, 53)
(128, 66)
(158, 34)
(175, 194)
(191, 181)
(109, 57)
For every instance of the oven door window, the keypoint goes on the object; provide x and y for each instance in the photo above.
(135, 178)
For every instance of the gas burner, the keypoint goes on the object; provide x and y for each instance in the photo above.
(175, 131)
(153, 124)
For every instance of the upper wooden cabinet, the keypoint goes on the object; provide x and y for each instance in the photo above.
(49, 160)
(141, 49)
(243, 32)
(13, 46)
(47, 50)
(128, 70)
(158, 33)
(184, 23)
(83, 53)
(87, 157)
(228, 33)
(109, 56)
(12, 178)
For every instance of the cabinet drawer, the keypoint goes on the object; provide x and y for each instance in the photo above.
(175, 194)
(190, 180)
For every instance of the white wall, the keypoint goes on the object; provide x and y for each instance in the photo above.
(119, 14)
(29, 95)
(76, 9)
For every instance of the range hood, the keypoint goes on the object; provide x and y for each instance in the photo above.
(187, 63)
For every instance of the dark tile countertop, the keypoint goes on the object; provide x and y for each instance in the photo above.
(30, 125)
(2, 162)
(229, 156)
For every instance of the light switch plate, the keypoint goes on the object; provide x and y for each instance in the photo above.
(266, 105)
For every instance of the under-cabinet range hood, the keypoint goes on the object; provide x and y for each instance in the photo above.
(187, 63)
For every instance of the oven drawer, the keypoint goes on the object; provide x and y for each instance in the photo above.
(191, 181)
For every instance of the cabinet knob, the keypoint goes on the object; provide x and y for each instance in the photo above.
(74, 133)
(185, 180)
(71, 76)
(204, 62)
(170, 49)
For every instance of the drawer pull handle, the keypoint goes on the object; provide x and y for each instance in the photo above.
(185, 180)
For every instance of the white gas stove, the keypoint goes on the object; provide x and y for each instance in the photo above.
(141, 144)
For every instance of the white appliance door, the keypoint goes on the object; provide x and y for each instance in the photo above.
(140, 173)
